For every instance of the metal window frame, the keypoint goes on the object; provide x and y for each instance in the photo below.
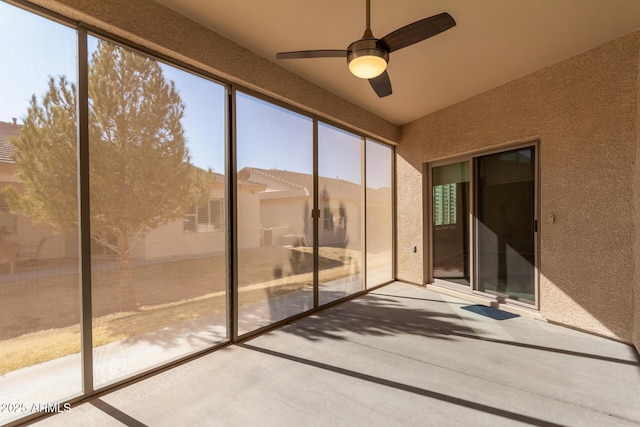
(535, 145)
(428, 222)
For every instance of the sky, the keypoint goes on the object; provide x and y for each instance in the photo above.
(268, 136)
(29, 57)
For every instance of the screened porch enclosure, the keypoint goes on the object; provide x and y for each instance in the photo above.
(135, 232)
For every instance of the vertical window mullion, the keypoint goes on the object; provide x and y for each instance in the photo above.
(84, 211)
(315, 215)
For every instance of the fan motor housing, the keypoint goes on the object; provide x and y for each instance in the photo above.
(366, 47)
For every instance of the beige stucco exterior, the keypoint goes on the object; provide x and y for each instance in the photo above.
(171, 239)
(584, 112)
(636, 278)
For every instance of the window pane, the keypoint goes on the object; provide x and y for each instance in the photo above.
(379, 214)
(275, 199)
(450, 229)
(340, 198)
(506, 235)
(39, 281)
(157, 138)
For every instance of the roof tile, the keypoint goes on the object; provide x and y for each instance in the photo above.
(7, 130)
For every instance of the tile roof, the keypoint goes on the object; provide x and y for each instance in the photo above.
(331, 187)
(292, 180)
(7, 130)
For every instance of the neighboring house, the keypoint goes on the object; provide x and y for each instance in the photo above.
(18, 229)
(286, 204)
(274, 209)
(8, 168)
(201, 231)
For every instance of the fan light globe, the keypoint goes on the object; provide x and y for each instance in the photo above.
(368, 66)
(366, 58)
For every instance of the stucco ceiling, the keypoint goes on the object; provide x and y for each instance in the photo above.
(494, 42)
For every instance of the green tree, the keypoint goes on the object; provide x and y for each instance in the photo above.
(140, 170)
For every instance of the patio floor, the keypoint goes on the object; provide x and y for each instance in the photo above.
(399, 356)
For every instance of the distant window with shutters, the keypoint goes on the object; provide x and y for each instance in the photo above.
(342, 220)
(204, 217)
(327, 219)
(444, 204)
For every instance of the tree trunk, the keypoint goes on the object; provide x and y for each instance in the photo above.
(127, 299)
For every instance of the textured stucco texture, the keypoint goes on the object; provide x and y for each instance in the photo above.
(583, 112)
(636, 322)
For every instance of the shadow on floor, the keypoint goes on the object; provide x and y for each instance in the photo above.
(116, 413)
(407, 388)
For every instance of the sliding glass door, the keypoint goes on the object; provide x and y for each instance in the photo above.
(340, 199)
(505, 224)
(483, 224)
(450, 213)
(274, 193)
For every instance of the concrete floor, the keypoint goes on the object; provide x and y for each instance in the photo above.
(400, 356)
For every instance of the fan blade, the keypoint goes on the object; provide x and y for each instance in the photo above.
(381, 84)
(312, 54)
(418, 31)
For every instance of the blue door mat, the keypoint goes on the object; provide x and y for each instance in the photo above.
(491, 312)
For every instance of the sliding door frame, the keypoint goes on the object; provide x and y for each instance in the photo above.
(429, 235)
(472, 158)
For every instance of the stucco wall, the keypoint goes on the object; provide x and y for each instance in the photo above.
(156, 27)
(248, 219)
(636, 322)
(292, 213)
(583, 112)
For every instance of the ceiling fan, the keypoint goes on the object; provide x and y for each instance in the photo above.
(368, 57)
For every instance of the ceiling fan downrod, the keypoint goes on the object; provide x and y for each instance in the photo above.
(366, 57)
